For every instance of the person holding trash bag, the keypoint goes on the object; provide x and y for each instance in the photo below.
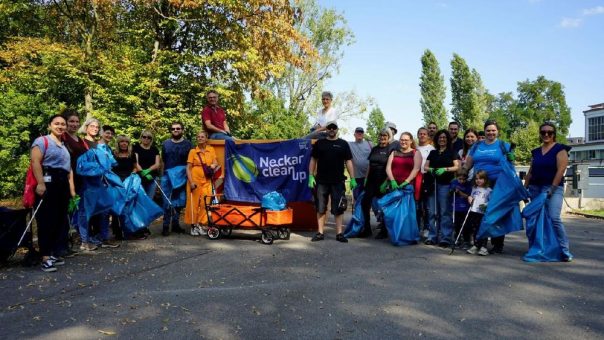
(546, 175)
(174, 153)
(402, 167)
(376, 177)
(51, 165)
(201, 164)
(487, 155)
(147, 162)
(442, 164)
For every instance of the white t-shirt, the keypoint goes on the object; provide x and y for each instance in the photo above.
(324, 118)
(425, 151)
(481, 196)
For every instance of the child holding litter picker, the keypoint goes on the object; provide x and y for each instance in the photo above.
(478, 200)
(461, 188)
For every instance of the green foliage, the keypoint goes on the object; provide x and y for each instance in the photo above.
(375, 123)
(467, 93)
(432, 88)
(526, 139)
(544, 100)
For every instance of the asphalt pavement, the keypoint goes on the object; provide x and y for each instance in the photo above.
(184, 287)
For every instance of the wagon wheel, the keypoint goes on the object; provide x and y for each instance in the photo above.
(226, 231)
(267, 237)
(213, 233)
(284, 233)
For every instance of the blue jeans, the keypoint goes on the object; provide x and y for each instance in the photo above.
(220, 135)
(171, 213)
(554, 208)
(150, 187)
(84, 226)
(441, 222)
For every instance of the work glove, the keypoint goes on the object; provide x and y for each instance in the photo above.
(73, 204)
(149, 177)
(440, 171)
(353, 183)
(384, 187)
(482, 207)
(403, 185)
(145, 172)
(431, 170)
(511, 156)
(311, 181)
(393, 184)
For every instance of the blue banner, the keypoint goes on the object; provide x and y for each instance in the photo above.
(253, 170)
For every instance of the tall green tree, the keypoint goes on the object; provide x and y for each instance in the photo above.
(432, 89)
(375, 123)
(467, 94)
(544, 100)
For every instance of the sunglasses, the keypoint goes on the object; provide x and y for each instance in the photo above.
(146, 137)
(332, 128)
(175, 129)
(546, 133)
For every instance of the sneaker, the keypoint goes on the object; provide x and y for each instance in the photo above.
(443, 245)
(177, 229)
(165, 232)
(472, 250)
(317, 237)
(110, 244)
(202, 231)
(195, 231)
(48, 266)
(341, 238)
(496, 250)
(88, 247)
(382, 234)
(429, 242)
(483, 251)
(56, 261)
(466, 245)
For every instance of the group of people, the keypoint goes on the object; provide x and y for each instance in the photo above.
(451, 178)
(61, 162)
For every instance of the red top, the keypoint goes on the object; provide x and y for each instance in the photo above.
(216, 115)
(402, 165)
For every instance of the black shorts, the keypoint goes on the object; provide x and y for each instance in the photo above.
(334, 191)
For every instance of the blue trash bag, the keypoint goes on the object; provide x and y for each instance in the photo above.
(355, 225)
(503, 211)
(97, 200)
(139, 211)
(177, 176)
(273, 201)
(398, 208)
(543, 244)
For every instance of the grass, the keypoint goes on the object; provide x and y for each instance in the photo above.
(594, 212)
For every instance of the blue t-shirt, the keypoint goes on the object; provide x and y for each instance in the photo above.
(175, 154)
(487, 157)
(461, 202)
(56, 156)
(544, 167)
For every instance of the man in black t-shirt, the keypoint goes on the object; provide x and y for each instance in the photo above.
(326, 173)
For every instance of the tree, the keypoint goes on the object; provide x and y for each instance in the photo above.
(328, 33)
(467, 93)
(526, 139)
(375, 123)
(432, 88)
(544, 100)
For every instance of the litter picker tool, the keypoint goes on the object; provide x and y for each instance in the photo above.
(33, 215)
(462, 227)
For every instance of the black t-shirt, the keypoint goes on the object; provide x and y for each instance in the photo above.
(378, 158)
(331, 156)
(443, 160)
(124, 166)
(457, 145)
(146, 158)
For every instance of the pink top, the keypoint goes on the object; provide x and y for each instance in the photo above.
(402, 165)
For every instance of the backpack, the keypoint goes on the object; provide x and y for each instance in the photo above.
(29, 192)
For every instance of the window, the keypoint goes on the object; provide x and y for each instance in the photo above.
(595, 128)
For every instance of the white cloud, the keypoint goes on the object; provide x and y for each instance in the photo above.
(594, 11)
(570, 22)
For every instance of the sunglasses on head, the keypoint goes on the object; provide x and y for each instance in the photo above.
(546, 133)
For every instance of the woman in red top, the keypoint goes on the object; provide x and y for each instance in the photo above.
(402, 167)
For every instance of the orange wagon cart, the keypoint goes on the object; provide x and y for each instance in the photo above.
(224, 217)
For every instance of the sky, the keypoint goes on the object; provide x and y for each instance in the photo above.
(506, 41)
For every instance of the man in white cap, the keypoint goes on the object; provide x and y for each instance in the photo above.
(326, 175)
